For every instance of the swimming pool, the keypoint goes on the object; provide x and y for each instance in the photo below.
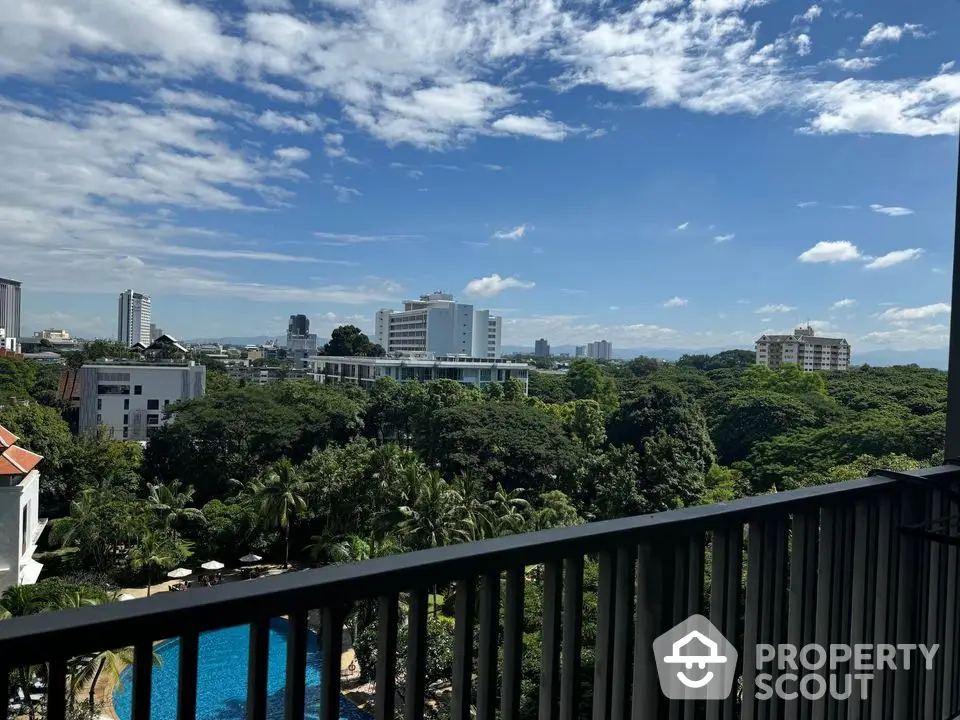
(222, 678)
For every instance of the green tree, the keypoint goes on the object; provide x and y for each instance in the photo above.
(349, 341)
(587, 381)
(173, 505)
(280, 496)
(16, 378)
(157, 551)
(754, 416)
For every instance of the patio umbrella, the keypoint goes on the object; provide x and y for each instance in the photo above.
(250, 558)
(212, 565)
(125, 596)
(178, 573)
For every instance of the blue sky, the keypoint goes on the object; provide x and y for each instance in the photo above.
(670, 173)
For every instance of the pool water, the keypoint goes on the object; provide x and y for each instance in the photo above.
(222, 678)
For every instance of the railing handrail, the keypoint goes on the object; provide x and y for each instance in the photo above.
(35, 639)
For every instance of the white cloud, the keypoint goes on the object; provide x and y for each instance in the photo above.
(804, 44)
(845, 303)
(827, 251)
(920, 337)
(675, 302)
(724, 238)
(856, 64)
(345, 194)
(515, 234)
(532, 126)
(292, 154)
(491, 166)
(894, 258)
(891, 210)
(778, 308)
(279, 122)
(880, 33)
(329, 238)
(807, 204)
(809, 15)
(682, 226)
(494, 285)
(614, 307)
(915, 313)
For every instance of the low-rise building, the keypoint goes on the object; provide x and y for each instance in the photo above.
(423, 367)
(130, 398)
(803, 348)
(20, 521)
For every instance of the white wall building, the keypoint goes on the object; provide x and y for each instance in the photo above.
(365, 371)
(600, 350)
(805, 349)
(133, 318)
(10, 344)
(20, 522)
(437, 324)
(10, 295)
(130, 398)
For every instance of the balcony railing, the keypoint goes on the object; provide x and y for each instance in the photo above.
(826, 565)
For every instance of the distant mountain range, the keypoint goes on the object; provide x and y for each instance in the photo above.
(923, 358)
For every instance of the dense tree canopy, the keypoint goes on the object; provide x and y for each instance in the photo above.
(348, 340)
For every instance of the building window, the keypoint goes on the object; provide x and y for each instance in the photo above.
(126, 431)
(138, 389)
(153, 404)
(99, 418)
(153, 419)
(126, 420)
(99, 404)
(166, 402)
(126, 404)
(113, 389)
(26, 515)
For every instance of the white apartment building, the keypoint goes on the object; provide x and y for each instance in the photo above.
(365, 371)
(130, 398)
(133, 318)
(53, 335)
(10, 296)
(600, 350)
(20, 521)
(803, 348)
(10, 344)
(437, 324)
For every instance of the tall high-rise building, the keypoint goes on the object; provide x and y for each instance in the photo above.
(298, 325)
(580, 351)
(541, 348)
(600, 350)
(155, 332)
(10, 307)
(437, 324)
(301, 343)
(133, 318)
(803, 348)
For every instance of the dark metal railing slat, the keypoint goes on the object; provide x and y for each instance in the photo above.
(5, 671)
(489, 627)
(933, 600)
(331, 643)
(858, 616)
(906, 605)
(603, 645)
(142, 679)
(258, 656)
(462, 685)
(753, 615)
(548, 707)
(647, 701)
(572, 627)
(949, 648)
(57, 691)
(883, 630)
(622, 616)
(187, 677)
(696, 548)
(388, 623)
(825, 576)
(295, 694)
(512, 645)
(725, 584)
(415, 691)
(677, 604)
(801, 600)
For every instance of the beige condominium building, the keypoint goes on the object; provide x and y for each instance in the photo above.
(804, 348)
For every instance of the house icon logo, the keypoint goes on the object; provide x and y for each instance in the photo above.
(695, 661)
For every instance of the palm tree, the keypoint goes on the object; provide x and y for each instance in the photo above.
(506, 511)
(153, 551)
(432, 514)
(88, 671)
(280, 496)
(173, 503)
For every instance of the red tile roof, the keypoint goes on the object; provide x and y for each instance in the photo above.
(15, 460)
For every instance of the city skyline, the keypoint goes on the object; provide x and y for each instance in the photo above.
(787, 162)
